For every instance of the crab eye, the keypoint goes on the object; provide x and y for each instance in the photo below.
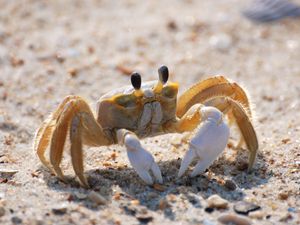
(163, 73)
(169, 92)
(136, 80)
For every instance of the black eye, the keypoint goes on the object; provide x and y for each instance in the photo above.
(136, 80)
(163, 73)
(169, 92)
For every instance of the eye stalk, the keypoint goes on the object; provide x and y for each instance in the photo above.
(163, 73)
(136, 80)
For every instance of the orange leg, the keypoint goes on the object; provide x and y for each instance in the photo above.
(75, 113)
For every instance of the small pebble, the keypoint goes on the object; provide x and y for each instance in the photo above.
(15, 61)
(73, 72)
(60, 210)
(234, 219)
(163, 204)
(171, 25)
(176, 141)
(230, 185)
(256, 215)
(171, 198)
(208, 222)
(97, 198)
(285, 140)
(117, 196)
(286, 217)
(130, 210)
(2, 211)
(135, 202)
(292, 209)
(209, 210)
(153, 195)
(16, 220)
(221, 42)
(283, 195)
(144, 218)
(215, 201)
(245, 207)
(159, 187)
(242, 165)
(80, 196)
(8, 172)
(37, 222)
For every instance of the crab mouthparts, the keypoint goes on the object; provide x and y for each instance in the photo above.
(148, 93)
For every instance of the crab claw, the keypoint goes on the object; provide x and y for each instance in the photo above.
(210, 140)
(141, 160)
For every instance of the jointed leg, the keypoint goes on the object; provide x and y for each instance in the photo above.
(44, 133)
(76, 150)
(59, 138)
(42, 139)
(210, 88)
(84, 129)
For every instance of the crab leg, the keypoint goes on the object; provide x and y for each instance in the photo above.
(84, 129)
(141, 160)
(42, 139)
(44, 133)
(76, 150)
(75, 113)
(59, 138)
(210, 88)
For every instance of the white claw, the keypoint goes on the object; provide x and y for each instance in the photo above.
(200, 167)
(141, 160)
(156, 172)
(145, 176)
(187, 160)
(208, 143)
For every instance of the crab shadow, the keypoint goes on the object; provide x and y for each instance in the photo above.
(125, 181)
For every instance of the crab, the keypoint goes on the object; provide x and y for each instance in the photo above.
(126, 115)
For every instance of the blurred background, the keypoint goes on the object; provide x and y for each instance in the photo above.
(49, 49)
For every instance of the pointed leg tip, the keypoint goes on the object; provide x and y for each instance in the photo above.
(145, 176)
(63, 179)
(148, 182)
(157, 173)
(249, 170)
(180, 173)
(85, 185)
(192, 175)
(160, 180)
